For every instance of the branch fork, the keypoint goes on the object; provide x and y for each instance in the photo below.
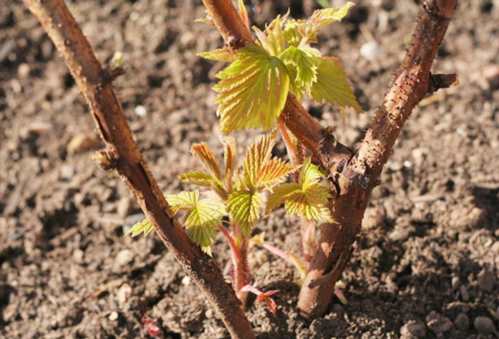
(353, 175)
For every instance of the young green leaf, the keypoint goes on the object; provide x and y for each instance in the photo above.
(273, 40)
(204, 153)
(252, 90)
(273, 172)
(197, 178)
(279, 194)
(259, 170)
(229, 162)
(244, 209)
(142, 227)
(332, 85)
(203, 216)
(220, 54)
(256, 156)
(308, 29)
(307, 198)
(182, 201)
(326, 16)
(202, 222)
(302, 67)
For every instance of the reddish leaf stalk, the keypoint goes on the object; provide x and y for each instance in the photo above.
(291, 146)
(123, 155)
(241, 275)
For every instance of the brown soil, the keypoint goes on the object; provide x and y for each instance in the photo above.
(428, 258)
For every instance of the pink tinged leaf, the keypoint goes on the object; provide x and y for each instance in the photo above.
(265, 297)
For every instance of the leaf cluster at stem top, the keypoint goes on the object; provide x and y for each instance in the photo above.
(252, 90)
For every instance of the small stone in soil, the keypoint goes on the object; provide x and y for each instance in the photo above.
(123, 207)
(486, 280)
(399, 234)
(371, 50)
(113, 316)
(123, 294)
(413, 329)
(123, 258)
(462, 322)
(484, 325)
(141, 111)
(374, 217)
(464, 293)
(438, 323)
(186, 280)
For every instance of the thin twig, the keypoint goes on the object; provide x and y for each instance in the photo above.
(123, 155)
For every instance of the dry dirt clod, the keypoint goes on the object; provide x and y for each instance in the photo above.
(374, 217)
(113, 316)
(486, 280)
(438, 323)
(399, 234)
(123, 258)
(491, 74)
(462, 322)
(484, 325)
(123, 294)
(413, 329)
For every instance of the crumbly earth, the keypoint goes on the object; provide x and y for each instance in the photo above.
(426, 263)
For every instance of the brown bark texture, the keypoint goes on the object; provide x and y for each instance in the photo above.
(123, 155)
(353, 175)
(355, 181)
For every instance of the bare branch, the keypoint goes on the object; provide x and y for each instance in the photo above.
(123, 155)
(356, 180)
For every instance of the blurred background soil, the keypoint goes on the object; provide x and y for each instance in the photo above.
(426, 263)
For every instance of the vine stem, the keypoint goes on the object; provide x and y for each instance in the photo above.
(241, 275)
(353, 174)
(123, 155)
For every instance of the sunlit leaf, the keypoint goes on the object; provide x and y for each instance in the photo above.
(273, 172)
(144, 227)
(229, 162)
(279, 194)
(197, 178)
(202, 221)
(332, 85)
(182, 201)
(299, 204)
(273, 40)
(259, 170)
(307, 198)
(326, 16)
(203, 216)
(244, 209)
(207, 157)
(220, 54)
(302, 67)
(257, 155)
(308, 29)
(252, 90)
